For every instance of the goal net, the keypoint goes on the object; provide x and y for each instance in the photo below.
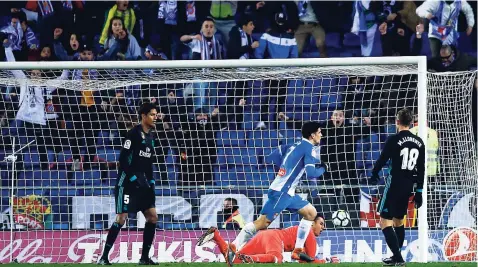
(216, 127)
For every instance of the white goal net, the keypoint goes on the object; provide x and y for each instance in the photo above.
(215, 130)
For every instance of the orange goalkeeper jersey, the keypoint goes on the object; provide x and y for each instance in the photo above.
(288, 237)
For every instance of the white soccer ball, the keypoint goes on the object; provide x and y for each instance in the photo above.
(341, 218)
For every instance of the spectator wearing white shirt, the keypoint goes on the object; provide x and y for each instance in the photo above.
(205, 46)
(443, 17)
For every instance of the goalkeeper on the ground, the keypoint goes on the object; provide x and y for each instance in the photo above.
(268, 245)
(301, 158)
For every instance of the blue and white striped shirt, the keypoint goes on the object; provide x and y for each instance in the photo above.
(294, 160)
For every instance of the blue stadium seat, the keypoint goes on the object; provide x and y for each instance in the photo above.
(64, 156)
(250, 120)
(109, 155)
(90, 177)
(228, 177)
(231, 138)
(26, 192)
(263, 139)
(236, 156)
(63, 192)
(44, 178)
(16, 128)
(302, 97)
(331, 101)
(103, 139)
(256, 94)
(290, 136)
(259, 177)
(332, 40)
(325, 85)
(351, 40)
(31, 158)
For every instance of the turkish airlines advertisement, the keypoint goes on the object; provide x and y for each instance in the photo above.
(459, 244)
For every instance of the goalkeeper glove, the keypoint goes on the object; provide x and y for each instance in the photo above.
(418, 199)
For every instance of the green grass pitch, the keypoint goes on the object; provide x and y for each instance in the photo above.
(441, 264)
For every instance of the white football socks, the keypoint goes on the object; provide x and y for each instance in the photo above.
(245, 235)
(302, 233)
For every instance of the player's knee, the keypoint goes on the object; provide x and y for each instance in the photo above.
(397, 222)
(384, 223)
(262, 223)
(121, 218)
(309, 212)
(153, 218)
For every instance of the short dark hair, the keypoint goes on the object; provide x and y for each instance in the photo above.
(209, 19)
(145, 108)
(245, 19)
(318, 216)
(309, 128)
(405, 117)
(233, 200)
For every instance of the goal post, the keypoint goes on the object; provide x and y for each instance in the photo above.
(363, 93)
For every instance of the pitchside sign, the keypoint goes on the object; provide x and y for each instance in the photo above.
(459, 244)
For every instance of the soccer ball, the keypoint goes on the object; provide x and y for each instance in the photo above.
(341, 218)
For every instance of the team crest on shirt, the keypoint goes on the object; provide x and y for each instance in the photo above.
(127, 144)
(282, 172)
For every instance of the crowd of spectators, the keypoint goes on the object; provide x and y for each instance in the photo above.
(191, 114)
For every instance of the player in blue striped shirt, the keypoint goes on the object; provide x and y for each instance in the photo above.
(294, 161)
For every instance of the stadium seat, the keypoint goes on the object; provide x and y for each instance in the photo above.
(16, 128)
(351, 40)
(103, 139)
(21, 192)
(331, 101)
(90, 177)
(250, 120)
(109, 155)
(62, 192)
(231, 138)
(267, 139)
(259, 176)
(228, 177)
(332, 40)
(44, 178)
(236, 156)
(290, 136)
(326, 85)
(64, 156)
(30, 158)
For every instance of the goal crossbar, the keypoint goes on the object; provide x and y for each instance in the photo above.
(229, 63)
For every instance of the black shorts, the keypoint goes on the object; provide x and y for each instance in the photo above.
(394, 203)
(132, 199)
